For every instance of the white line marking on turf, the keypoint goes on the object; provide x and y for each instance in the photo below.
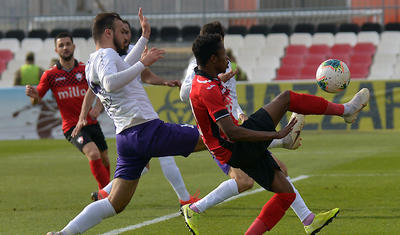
(170, 216)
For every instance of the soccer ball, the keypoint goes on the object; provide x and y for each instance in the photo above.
(333, 76)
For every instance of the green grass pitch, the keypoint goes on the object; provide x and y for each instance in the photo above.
(45, 183)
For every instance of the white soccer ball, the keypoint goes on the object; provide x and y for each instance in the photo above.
(333, 76)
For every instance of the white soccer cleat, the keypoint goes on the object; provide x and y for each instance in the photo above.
(55, 233)
(359, 101)
(293, 140)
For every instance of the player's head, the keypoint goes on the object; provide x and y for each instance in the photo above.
(210, 52)
(30, 58)
(128, 34)
(64, 46)
(108, 27)
(213, 28)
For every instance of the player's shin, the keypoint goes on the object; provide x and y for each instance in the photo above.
(311, 104)
(92, 215)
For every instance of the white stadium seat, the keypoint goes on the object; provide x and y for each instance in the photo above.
(31, 44)
(323, 38)
(268, 61)
(277, 39)
(11, 44)
(346, 37)
(368, 36)
(256, 41)
(385, 58)
(261, 75)
(392, 48)
(233, 41)
(381, 71)
(301, 39)
(273, 51)
(390, 37)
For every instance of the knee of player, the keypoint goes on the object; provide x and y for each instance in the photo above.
(244, 183)
(93, 154)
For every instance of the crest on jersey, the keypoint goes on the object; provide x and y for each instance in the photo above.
(78, 76)
(60, 79)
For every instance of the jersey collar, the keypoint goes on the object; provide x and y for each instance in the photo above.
(59, 66)
(197, 71)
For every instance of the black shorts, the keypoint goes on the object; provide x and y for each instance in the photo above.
(253, 157)
(89, 133)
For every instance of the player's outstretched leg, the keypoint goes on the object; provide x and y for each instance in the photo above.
(310, 104)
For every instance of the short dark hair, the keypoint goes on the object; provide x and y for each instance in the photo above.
(30, 57)
(102, 22)
(213, 28)
(205, 46)
(127, 22)
(63, 35)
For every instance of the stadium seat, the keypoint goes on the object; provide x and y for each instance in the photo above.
(259, 29)
(277, 51)
(1, 35)
(6, 55)
(326, 28)
(394, 26)
(56, 31)
(293, 60)
(237, 29)
(358, 71)
(371, 27)
(323, 38)
(348, 27)
(314, 60)
(390, 37)
(281, 28)
(260, 74)
(390, 48)
(31, 44)
(256, 41)
(308, 72)
(341, 49)
(3, 66)
(38, 33)
(268, 61)
(304, 28)
(381, 71)
(248, 54)
(296, 50)
(233, 41)
(368, 36)
(11, 44)
(319, 50)
(277, 39)
(170, 33)
(385, 59)
(154, 33)
(364, 48)
(300, 39)
(346, 37)
(288, 73)
(342, 57)
(17, 33)
(360, 59)
(189, 33)
(396, 73)
(82, 33)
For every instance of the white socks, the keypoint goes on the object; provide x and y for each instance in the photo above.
(108, 187)
(299, 206)
(224, 191)
(93, 214)
(173, 175)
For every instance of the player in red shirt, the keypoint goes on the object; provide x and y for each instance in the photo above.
(245, 146)
(68, 83)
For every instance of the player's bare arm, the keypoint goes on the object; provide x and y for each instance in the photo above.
(97, 109)
(237, 133)
(146, 30)
(33, 93)
(149, 77)
(86, 105)
(228, 75)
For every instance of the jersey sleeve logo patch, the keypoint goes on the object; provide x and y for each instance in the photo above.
(60, 79)
(80, 140)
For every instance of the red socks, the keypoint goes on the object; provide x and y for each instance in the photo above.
(271, 213)
(311, 104)
(99, 172)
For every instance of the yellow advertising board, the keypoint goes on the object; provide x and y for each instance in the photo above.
(382, 112)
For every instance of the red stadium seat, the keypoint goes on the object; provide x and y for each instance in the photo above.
(287, 72)
(364, 48)
(341, 49)
(361, 59)
(358, 71)
(308, 72)
(6, 55)
(319, 50)
(293, 60)
(314, 60)
(344, 58)
(296, 50)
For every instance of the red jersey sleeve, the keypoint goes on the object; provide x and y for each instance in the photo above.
(44, 85)
(214, 102)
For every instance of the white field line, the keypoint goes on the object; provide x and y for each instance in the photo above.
(173, 215)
